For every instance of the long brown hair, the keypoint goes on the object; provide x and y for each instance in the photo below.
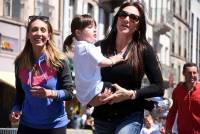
(53, 55)
(138, 44)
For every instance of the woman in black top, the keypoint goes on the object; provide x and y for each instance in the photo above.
(124, 112)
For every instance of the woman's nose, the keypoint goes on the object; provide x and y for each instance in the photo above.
(127, 19)
(39, 32)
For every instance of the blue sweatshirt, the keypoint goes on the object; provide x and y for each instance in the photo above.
(43, 113)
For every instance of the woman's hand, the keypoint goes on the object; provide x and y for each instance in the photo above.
(168, 131)
(121, 94)
(41, 92)
(14, 117)
(98, 100)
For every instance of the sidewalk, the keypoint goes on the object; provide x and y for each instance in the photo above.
(69, 131)
(79, 131)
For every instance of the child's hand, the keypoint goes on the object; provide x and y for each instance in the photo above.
(117, 58)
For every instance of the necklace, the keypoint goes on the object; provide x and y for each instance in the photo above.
(121, 51)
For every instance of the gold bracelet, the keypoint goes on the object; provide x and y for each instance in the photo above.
(112, 63)
(133, 95)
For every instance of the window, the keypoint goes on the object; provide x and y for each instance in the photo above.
(106, 22)
(173, 47)
(180, 8)
(8, 8)
(150, 10)
(172, 42)
(71, 11)
(179, 72)
(197, 42)
(166, 53)
(179, 50)
(197, 33)
(192, 23)
(199, 39)
(185, 43)
(174, 6)
(179, 41)
(172, 65)
(90, 9)
(185, 53)
(12, 8)
(185, 9)
(43, 8)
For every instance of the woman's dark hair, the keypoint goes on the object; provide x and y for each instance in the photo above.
(79, 22)
(138, 43)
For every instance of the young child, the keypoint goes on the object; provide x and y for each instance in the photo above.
(88, 59)
(149, 126)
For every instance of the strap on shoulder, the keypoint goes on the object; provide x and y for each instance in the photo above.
(127, 50)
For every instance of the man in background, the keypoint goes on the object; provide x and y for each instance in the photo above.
(186, 102)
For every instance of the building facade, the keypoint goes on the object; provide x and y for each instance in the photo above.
(159, 29)
(194, 48)
(180, 36)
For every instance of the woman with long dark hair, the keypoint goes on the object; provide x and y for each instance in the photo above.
(125, 111)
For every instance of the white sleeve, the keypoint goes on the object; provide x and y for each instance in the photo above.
(95, 53)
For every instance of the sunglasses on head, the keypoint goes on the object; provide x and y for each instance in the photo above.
(133, 17)
(34, 17)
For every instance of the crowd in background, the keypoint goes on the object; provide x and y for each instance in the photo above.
(154, 121)
(81, 118)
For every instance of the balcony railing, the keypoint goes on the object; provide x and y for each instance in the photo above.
(8, 130)
(163, 21)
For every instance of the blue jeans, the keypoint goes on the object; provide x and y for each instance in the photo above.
(131, 124)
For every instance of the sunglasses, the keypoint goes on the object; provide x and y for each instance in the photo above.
(133, 17)
(34, 17)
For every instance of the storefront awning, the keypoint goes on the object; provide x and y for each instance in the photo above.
(8, 77)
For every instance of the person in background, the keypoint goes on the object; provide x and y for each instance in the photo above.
(125, 111)
(149, 125)
(88, 59)
(43, 82)
(186, 103)
(76, 120)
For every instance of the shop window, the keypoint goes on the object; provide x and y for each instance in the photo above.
(8, 45)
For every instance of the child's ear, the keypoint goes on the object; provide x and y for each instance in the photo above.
(77, 32)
